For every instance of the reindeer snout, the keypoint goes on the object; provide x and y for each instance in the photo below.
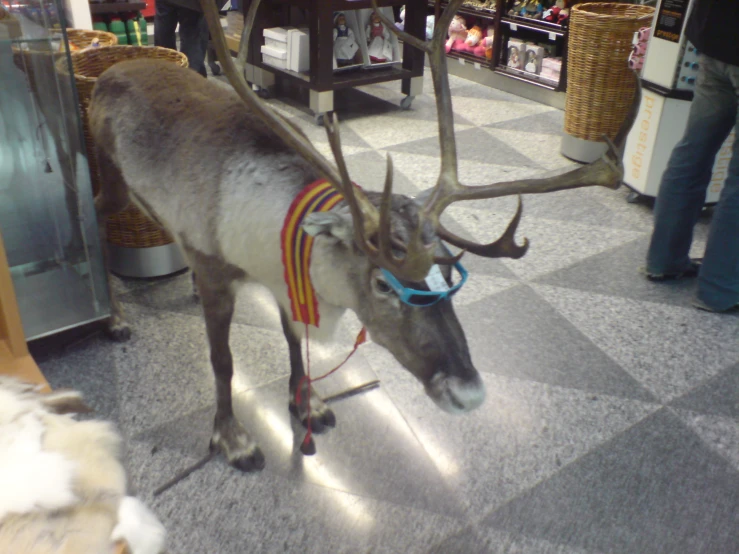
(455, 395)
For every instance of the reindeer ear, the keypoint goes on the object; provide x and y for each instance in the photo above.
(337, 224)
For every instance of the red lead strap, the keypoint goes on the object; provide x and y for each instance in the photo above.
(361, 339)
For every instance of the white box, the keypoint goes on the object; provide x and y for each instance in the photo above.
(298, 50)
(274, 56)
(276, 37)
(659, 126)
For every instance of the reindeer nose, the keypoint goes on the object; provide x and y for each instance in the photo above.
(455, 395)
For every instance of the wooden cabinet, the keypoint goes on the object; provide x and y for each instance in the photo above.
(321, 80)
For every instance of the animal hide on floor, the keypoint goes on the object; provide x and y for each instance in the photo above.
(63, 485)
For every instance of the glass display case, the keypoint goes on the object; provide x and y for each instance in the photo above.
(47, 216)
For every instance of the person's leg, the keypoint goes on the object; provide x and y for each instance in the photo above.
(165, 25)
(683, 188)
(194, 39)
(718, 282)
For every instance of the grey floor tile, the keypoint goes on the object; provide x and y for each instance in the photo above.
(642, 338)
(620, 272)
(473, 145)
(720, 433)
(547, 123)
(230, 512)
(165, 370)
(516, 333)
(655, 488)
(89, 367)
(523, 433)
(717, 396)
(371, 438)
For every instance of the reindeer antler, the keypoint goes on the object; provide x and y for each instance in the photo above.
(372, 229)
(607, 171)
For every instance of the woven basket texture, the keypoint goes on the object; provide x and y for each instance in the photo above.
(600, 85)
(129, 228)
(30, 60)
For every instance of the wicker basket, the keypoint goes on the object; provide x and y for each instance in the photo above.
(600, 85)
(31, 60)
(129, 228)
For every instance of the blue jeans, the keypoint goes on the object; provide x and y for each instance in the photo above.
(682, 192)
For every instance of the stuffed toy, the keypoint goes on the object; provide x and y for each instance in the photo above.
(474, 37)
(457, 34)
(485, 47)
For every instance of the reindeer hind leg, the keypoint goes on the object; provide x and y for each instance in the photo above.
(112, 198)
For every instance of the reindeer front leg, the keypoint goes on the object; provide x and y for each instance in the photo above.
(322, 417)
(229, 436)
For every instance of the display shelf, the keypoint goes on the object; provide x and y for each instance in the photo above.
(488, 13)
(471, 58)
(515, 22)
(116, 7)
(527, 77)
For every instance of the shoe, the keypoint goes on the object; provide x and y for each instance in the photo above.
(706, 308)
(691, 271)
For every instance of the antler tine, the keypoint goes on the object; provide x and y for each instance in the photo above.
(364, 214)
(606, 172)
(504, 247)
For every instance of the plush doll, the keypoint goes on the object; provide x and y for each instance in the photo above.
(489, 42)
(552, 14)
(457, 34)
(564, 11)
(532, 9)
(517, 7)
(345, 48)
(474, 36)
(379, 47)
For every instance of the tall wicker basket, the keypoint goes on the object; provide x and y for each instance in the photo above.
(130, 228)
(600, 85)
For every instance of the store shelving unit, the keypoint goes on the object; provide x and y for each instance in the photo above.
(101, 8)
(321, 80)
(495, 72)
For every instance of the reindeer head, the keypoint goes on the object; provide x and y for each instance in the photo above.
(388, 241)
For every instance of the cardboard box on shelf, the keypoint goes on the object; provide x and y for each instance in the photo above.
(516, 53)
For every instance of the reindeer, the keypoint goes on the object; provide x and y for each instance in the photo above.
(219, 169)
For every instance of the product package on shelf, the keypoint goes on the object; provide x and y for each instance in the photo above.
(274, 49)
(298, 50)
(381, 47)
(639, 48)
(516, 53)
(286, 48)
(350, 51)
(534, 57)
(551, 69)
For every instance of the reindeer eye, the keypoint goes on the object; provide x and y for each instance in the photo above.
(382, 286)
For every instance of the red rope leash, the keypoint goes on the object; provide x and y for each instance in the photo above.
(361, 339)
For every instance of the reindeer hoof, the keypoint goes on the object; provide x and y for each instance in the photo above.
(118, 330)
(250, 462)
(322, 417)
(242, 453)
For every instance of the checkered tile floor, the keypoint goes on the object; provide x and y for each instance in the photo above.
(612, 417)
